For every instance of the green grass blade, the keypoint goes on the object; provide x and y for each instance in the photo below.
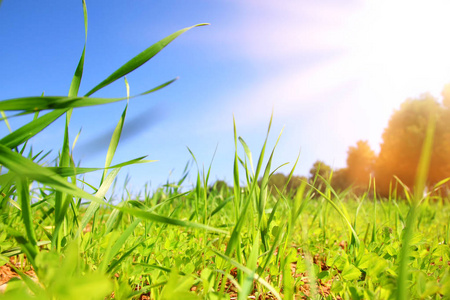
(140, 59)
(24, 167)
(247, 285)
(115, 138)
(27, 217)
(234, 239)
(291, 173)
(33, 286)
(220, 207)
(236, 185)
(118, 244)
(4, 118)
(71, 171)
(30, 129)
(34, 103)
(27, 247)
(75, 140)
(276, 243)
(265, 180)
(114, 141)
(166, 220)
(402, 292)
(112, 267)
(93, 206)
(336, 207)
(76, 81)
(247, 152)
(249, 272)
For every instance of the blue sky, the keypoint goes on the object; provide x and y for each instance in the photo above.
(332, 71)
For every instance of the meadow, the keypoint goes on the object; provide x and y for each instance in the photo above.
(62, 238)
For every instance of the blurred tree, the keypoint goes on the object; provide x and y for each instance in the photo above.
(279, 180)
(320, 168)
(402, 143)
(295, 182)
(446, 95)
(360, 163)
(323, 170)
(340, 180)
(221, 185)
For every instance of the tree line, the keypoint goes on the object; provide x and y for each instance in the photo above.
(395, 167)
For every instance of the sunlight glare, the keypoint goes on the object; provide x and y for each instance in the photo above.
(404, 44)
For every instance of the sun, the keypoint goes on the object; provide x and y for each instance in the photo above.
(404, 44)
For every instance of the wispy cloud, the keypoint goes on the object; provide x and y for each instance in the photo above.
(281, 30)
(392, 49)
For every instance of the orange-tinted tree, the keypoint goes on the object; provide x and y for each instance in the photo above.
(402, 143)
(360, 165)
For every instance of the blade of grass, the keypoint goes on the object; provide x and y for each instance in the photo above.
(336, 207)
(249, 272)
(236, 185)
(71, 171)
(112, 267)
(115, 138)
(4, 118)
(24, 167)
(247, 285)
(93, 206)
(27, 218)
(140, 59)
(33, 286)
(248, 153)
(32, 128)
(37, 103)
(76, 80)
(118, 245)
(402, 292)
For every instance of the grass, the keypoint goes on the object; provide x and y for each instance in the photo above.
(212, 242)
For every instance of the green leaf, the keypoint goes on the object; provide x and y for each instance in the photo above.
(140, 59)
(351, 272)
(178, 287)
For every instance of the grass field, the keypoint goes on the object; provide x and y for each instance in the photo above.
(171, 245)
(65, 240)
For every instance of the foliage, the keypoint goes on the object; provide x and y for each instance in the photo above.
(281, 182)
(341, 179)
(318, 174)
(402, 144)
(360, 161)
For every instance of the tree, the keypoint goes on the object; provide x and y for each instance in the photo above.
(360, 163)
(279, 180)
(319, 172)
(402, 143)
(446, 95)
(340, 180)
